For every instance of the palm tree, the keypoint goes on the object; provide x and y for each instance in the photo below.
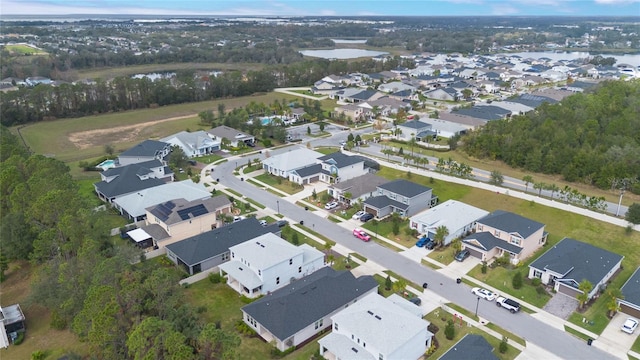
(585, 286)
(412, 142)
(399, 285)
(553, 188)
(527, 179)
(613, 294)
(441, 233)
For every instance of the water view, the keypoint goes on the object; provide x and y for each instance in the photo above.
(631, 59)
(342, 53)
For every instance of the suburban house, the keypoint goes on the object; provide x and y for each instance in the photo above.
(131, 178)
(459, 219)
(503, 232)
(295, 313)
(359, 188)
(179, 219)
(395, 86)
(268, 263)
(285, 163)
(416, 129)
(145, 151)
(210, 249)
(196, 143)
(234, 136)
(471, 346)
(350, 111)
(630, 304)
(337, 167)
(132, 206)
(376, 327)
(12, 321)
(401, 196)
(447, 94)
(570, 261)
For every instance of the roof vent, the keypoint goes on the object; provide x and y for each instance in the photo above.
(369, 312)
(354, 350)
(378, 317)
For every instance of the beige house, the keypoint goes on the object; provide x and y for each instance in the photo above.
(180, 219)
(502, 232)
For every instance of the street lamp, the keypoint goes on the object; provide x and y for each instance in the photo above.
(278, 203)
(477, 303)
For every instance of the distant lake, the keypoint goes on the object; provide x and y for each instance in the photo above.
(343, 41)
(631, 59)
(342, 53)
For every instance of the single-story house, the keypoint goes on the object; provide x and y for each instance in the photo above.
(630, 303)
(504, 232)
(471, 346)
(292, 315)
(415, 129)
(285, 163)
(145, 151)
(12, 321)
(123, 180)
(268, 263)
(359, 188)
(401, 196)
(195, 143)
(133, 205)
(376, 327)
(234, 136)
(459, 219)
(210, 249)
(570, 261)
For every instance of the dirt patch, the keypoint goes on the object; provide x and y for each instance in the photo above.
(127, 133)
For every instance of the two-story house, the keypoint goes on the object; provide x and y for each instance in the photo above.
(503, 232)
(268, 263)
(459, 219)
(401, 196)
(337, 167)
(131, 178)
(376, 327)
(359, 188)
(145, 151)
(292, 315)
(416, 129)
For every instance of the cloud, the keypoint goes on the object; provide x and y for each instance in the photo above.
(504, 9)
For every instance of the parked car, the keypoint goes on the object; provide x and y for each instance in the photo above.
(358, 215)
(331, 205)
(361, 234)
(484, 293)
(366, 217)
(282, 223)
(263, 222)
(422, 241)
(511, 305)
(629, 325)
(416, 300)
(430, 245)
(462, 254)
(238, 218)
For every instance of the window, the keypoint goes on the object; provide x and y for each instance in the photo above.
(290, 261)
(364, 344)
(353, 337)
(479, 227)
(496, 233)
(225, 256)
(318, 324)
(515, 240)
(299, 269)
(537, 273)
(380, 357)
(335, 326)
(277, 280)
(233, 255)
(259, 272)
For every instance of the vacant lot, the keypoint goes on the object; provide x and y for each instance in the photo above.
(20, 49)
(83, 138)
(109, 73)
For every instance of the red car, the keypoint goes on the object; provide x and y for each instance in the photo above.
(361, 234)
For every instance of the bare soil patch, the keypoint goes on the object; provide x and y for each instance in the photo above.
(91, 138)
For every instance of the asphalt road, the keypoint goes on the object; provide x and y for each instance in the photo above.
(553, 340)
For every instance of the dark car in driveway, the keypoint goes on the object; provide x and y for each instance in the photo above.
(366, 217)
(462, 254)
(430, 245)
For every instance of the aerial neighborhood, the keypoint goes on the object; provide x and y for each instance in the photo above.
(411, 204)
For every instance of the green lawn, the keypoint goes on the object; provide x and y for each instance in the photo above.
(280, 183)
(576, 333)
(636, 345)
(508, 334)
(381, 288)
(207, 159)
(443, 255)
(439, 319)
(596, 316)
(500, 278)
(384, 228)
(20, 49)
(327, 150)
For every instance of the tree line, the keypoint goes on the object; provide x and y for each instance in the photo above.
(89, 282)
(591, 137)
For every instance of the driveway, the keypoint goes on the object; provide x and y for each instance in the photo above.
(615, 341)
(459, 268)
(561, 305)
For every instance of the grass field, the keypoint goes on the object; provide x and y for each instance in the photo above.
(108, 73)
(21, 49)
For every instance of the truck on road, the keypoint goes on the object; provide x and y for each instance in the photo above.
(511, 305)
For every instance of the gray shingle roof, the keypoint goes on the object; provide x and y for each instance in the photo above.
(404, 188)
(631, 288)
(309, 170)
(299, 304)
(381, 202)
(365, 184)
(578, 261)
(203, 246)
(178, 210)
(416, 124)
(340, 159)
(128, 180)
(146, 148)
(488, 242)
(511, 223)
(485, 112)
(471, 346)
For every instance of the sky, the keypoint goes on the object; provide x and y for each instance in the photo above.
(326, 7)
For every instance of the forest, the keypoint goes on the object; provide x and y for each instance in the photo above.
(124, 309)
(591, 137)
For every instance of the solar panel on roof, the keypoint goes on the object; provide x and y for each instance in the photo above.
(163, 211)
(195, 211)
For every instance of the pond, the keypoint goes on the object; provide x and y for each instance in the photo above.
(342, 53)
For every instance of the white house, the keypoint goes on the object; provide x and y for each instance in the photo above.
(145, 151)
(268, 263)
(296, 158)
(459, 219)
(377, 328)
(196, 143)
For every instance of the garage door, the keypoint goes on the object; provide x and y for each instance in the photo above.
(629, 310)
(567, 290)
(473, 252)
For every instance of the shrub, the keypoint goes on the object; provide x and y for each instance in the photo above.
(19, 339)
(503, 345)
(38, 355)
(516, 281)
(540, 290)
(215, 278)
(483, 269)
(244, 329)
(396, 228)
(294, 239)
(57, 321)
(536, 281)
(449, 330)
(276, 353)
